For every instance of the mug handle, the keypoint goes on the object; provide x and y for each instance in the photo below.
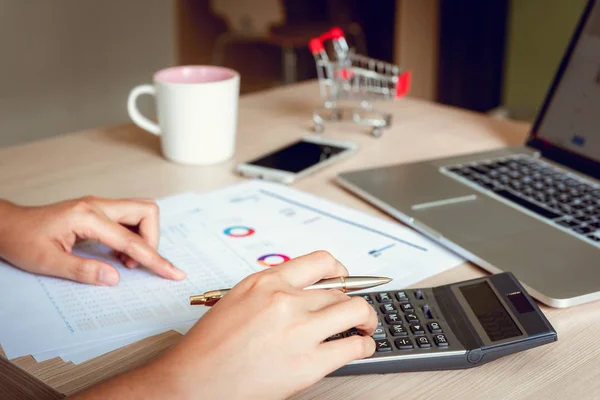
(135, 115)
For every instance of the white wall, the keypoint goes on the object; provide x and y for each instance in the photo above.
(67, 65)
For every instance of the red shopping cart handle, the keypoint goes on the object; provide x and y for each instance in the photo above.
(403, 85)
(316, 44)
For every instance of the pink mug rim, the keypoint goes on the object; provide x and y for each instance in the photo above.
(158, 76)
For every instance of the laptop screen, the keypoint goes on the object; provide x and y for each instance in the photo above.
(568, 126)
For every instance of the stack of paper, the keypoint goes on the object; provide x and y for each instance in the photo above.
(217, 238)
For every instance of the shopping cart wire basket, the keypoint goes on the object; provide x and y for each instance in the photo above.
(357, 78)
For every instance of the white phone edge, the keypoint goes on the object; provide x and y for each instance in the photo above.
(288, 178)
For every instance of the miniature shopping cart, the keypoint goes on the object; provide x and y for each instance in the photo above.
(357, 78)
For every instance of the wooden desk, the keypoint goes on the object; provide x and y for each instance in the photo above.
(125, 162)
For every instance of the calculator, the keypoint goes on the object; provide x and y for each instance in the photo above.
(460, 325)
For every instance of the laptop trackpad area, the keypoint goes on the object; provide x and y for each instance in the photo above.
(543, 258)
(474, 220)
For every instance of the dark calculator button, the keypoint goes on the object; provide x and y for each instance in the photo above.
(419, 295)
(334, 337)
(353, 332)
(440, 340)
(404, 344)
(417, 329)
(411, 317)
(402, 297)
(434, 327)
(427, 311)
(383, 297)
(406, 307)
(423, 342)
(368, 298)
(393, 318)
(383, 345)
(398, 330)
(379, 333)
(388, 308)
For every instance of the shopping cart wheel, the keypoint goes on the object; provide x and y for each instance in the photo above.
(336, 115)
(377, 132)
(318, 128)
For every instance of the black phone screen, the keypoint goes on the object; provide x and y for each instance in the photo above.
(297, 156)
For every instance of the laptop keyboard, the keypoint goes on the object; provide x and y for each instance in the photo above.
(547, 191)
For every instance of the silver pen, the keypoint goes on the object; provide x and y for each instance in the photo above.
(343, 283)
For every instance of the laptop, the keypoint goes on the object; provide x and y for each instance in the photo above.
(531, 210)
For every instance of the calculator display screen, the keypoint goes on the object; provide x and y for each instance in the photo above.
(493, 317)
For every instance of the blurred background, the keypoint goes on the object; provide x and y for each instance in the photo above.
(68, 65)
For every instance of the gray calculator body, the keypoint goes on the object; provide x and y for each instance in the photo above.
(455, 326)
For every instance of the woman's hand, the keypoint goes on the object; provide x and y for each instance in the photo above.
(40, 239)
(264, 340)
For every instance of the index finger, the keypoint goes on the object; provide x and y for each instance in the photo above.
(123, 240)
(306, 270)
(142, 213)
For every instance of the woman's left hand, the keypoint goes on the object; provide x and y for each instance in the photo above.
(41, 239)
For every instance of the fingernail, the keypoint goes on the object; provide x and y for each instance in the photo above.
(108, 276)
(179, 274)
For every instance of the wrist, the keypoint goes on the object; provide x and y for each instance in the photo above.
(172, 381)
(186, 375)
(6, 210)
(156, 380)
(5, 207)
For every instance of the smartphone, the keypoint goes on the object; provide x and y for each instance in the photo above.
(297, 160)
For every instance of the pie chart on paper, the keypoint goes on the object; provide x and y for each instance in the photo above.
(272, 260)
(238, 231)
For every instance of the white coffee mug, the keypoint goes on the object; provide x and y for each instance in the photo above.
(197, 112)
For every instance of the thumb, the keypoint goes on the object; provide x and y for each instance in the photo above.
(87, 270)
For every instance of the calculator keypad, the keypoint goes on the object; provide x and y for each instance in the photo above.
(408, 322)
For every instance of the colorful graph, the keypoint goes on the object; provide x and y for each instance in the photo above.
(272, 260)
(238, 231)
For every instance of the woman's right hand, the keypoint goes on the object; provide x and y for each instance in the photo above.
(264, 340)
